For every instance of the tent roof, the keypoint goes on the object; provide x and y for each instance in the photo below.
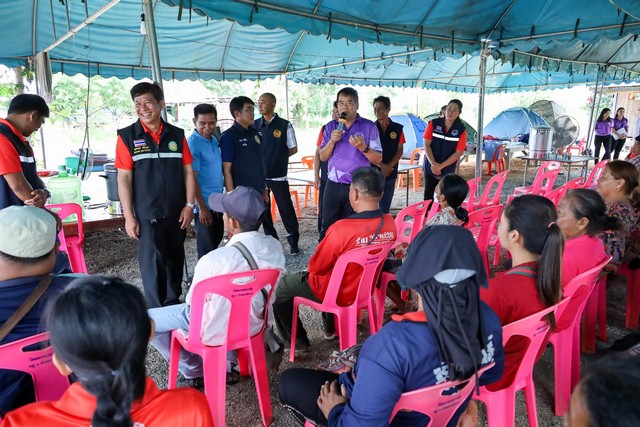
(432, 44)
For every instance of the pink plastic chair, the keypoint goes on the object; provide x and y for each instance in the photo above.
(566, 338)
(239, 289)
(593, 177)
(472, 199)
(501, 403)
(409, 221)
(72, 245)
(49, 383)
(543, 168)
(492, 191)
(633, 296)
(370, 258)
(483, 224)
(556, 195)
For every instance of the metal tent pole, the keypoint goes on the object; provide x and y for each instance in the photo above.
(150, 25)
(593, 107)
(286, 95)
(483, 71)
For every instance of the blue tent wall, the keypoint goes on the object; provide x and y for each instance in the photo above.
(414, 128)
(512, 122)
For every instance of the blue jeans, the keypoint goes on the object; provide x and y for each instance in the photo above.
(387, 197)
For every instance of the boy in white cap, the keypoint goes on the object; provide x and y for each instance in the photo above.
(243, 208)
(27, 256)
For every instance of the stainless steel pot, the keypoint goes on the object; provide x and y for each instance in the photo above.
(540, 141)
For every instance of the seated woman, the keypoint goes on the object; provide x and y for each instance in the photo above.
(417, 349)
(582, 216)
(617, 186)
(529, 232)
(99, 330)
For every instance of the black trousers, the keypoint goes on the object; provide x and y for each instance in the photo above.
(430, 184)
(335, 205)
(161, 259)
(616, 147)
(599, 141)
(208, 238)
(299, 389)
(323, 184)
(267, 222)
(288, 214)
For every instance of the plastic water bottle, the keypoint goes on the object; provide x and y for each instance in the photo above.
(66, 188)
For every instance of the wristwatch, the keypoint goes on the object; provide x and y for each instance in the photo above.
(190, 205)
(366, 150)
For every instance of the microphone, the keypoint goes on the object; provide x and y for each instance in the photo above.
(341, 121)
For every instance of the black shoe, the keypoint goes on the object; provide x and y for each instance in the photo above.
(295, 251)
(197, 383)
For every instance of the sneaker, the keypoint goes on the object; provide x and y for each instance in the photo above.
(329, 337)
(294, 251)
(300, 349)
(197, 383)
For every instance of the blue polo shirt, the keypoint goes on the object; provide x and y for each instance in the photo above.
(345, 157)
(207, 161)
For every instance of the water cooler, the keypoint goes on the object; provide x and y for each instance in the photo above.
(114, 206)
(66, 188)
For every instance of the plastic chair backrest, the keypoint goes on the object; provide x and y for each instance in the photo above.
(417, 156)
(499, 152)
(49, 383)
(431, 402)
(595, 174)
(473, 184)
(409, 221)
(493, 190)
(433, 210)
(544, 182)
(548, 165)
(370, 258)
(307, 161)
(65, 210)
(577, 291)
(534, 327)
(483, 223)
(557, 194)
(239, 289)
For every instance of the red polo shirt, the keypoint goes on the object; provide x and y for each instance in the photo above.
(9, 158)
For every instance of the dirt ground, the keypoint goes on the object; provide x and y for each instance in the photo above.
(113, 253)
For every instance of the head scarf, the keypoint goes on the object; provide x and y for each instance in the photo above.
(445, 268)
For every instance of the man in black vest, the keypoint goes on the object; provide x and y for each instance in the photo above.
(392, 140)
(278, 144)
(19, 182)
(156, 186)
(242, 157)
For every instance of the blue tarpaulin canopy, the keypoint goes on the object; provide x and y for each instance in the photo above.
(410, 43)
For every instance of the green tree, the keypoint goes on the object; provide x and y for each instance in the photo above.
(68, 99)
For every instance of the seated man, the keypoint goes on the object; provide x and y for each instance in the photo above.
(243, 209)
(28, 252)
(367, 226)
(451, 336)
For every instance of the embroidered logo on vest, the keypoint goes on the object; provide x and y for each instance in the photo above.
(439, 128)
(277, 133)
(454, 132)
(139, 142)
(257, 138)
(393, 135)
(173, 146)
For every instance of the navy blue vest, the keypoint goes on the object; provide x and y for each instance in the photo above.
(158, 176)
(444, 145)
(274, 145)
(390, 138)
(28, 162)
(248, 167)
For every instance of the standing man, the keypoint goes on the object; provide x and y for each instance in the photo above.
(348, 143)
(445, 140)
(392, 140)
(19, 182)
(278, 144)
(207, 168)
(242, 158)
(320, 168)
(156, 186)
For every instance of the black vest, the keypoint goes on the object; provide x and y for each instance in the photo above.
(390, 138)
(274, 145)
(444, 145)
(248, 167)
(158, 176)
(28, 162)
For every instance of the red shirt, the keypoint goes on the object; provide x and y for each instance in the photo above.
(342, 236)
(460, 146)
(123, 155)
(182, 407)
(513, 295)
(9, 158)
